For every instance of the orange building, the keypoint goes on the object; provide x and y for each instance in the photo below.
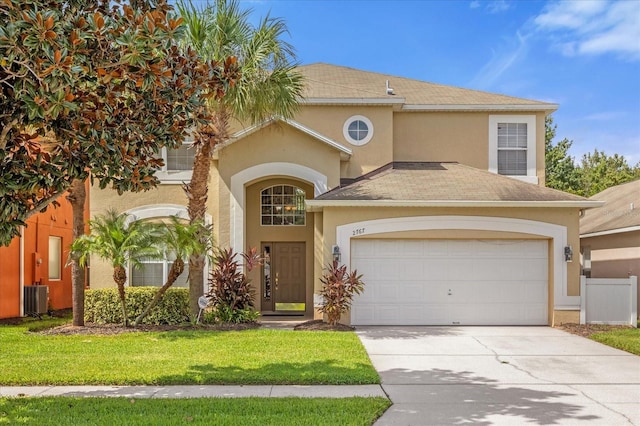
(38, 257)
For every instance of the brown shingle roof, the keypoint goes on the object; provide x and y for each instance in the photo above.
(332, 81)
(443, 182)
(621, 209)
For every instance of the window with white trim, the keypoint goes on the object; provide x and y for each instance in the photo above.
(154, 273)
(178, 163)
(282, 205)
(55, 258)
(358, 130)
(512, 146)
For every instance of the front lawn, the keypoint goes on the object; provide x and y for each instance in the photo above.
(259, 356)
(61, 411)
(627, 339)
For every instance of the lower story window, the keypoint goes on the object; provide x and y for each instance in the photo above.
(154, 273)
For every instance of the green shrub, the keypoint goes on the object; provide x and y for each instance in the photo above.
(102, 306)
(222, 313)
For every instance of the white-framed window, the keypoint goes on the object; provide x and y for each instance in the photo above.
(178, 163)
(358, 130)
(154, 272)
(282, 205)
(512, 146)
(55, 258)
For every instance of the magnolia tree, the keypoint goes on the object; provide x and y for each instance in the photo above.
(93, 89)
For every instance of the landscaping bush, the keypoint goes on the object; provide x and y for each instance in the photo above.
(229, 286)
(338, 289)
(224, 314)
(102, 305)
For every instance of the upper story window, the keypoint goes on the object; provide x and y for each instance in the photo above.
(282, 205)
(512, 146)
(358, 130)
(181, 158)
(178, 164)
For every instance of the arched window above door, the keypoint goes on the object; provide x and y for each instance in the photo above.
(282, 205)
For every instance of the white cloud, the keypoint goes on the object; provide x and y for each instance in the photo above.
(500, 63)
(498, 6)
(605, 116)
(593, 27)
(495, 6)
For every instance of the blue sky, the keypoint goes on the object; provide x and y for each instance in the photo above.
(582, 54)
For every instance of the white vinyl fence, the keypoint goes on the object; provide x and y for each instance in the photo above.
(609, 300)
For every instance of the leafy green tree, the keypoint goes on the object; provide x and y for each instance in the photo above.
(268, 85)
(179, 240)
(599, 171)
(121, 241)
(92, 89)
(560, 170)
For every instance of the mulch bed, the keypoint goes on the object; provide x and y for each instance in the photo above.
(586, 330)
(113, 329)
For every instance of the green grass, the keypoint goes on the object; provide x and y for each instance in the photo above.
(61, 411)
(627, 339)
(258, 356)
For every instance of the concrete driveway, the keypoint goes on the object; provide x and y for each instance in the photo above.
(502, 376)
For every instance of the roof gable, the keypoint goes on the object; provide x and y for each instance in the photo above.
(345, 153)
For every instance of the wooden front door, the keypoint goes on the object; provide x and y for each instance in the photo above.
(284, 277)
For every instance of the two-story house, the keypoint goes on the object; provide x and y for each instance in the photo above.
(434, 193)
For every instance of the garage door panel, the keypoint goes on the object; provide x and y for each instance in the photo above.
(436, 282)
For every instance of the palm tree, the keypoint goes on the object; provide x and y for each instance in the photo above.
(116, 238)
(179, 241)
(268, 86)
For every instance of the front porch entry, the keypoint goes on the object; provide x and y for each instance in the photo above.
(283, 277)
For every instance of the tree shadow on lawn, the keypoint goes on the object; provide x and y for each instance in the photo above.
(441, 396)
(326, 372)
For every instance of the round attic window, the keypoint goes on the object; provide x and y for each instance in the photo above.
(358, 130)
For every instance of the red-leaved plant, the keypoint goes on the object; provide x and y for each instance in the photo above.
(338, 289)
(229, 286)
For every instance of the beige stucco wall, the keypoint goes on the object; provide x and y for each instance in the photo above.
(274, 144)
(453, 136)
(101, 272)
(329, 121)
(332, 217)
(614, 255)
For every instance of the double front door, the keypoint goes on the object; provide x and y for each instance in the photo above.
(283, 277)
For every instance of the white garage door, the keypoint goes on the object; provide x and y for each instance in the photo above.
(445, 282)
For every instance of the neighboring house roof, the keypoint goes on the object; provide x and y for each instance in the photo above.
(444, 185)
(345, 153)
(621, 212)
(328, 84)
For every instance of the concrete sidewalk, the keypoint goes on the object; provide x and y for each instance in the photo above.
(276, 391)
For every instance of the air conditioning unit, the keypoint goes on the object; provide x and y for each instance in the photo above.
(35, 299)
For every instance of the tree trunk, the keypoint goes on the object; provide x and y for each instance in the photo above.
(197, 206)
(77, 197)
(120, 277)
(197, 190)
(177, 267)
